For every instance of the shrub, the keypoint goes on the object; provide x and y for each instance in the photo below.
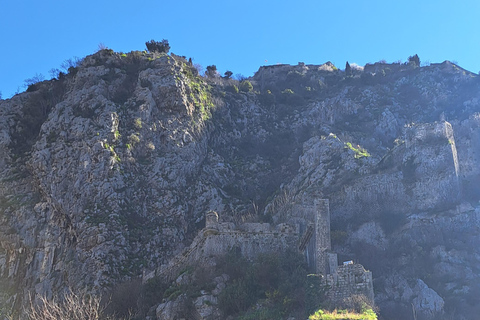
(211, 71)
(138, 123)
(246, 86)
(279, 281)
(133, 139)
(35, 111)
(72, 307)
(30, 83)
(359, 151)
(240, 77)
(70, 65)
(158, 46)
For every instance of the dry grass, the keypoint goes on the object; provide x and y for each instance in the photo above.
(72, 307)
(367, 314)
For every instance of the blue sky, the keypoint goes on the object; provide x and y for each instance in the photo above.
(237, 35)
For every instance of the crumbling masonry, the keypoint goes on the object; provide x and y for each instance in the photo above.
(307, 230)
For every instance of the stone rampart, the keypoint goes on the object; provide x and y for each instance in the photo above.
(251, 238)
(349, 280)
(217, 239)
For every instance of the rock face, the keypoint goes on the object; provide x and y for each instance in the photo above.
(107, 172)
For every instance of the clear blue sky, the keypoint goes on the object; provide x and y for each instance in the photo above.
(237, 35)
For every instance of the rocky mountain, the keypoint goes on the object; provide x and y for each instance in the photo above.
(107, 172)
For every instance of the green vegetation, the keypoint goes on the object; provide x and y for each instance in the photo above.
(366, 314)
(246, 86)
(359, 151)
(211, 71)
(273, 286)
(138, 123)
(277, 282)
(158, 46)
(288, 91)
(228, 74)
(201, 96)
(133, 139)
(34, 111)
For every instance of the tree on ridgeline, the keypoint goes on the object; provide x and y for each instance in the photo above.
(158, 46)
(211, 71)
(348, 69)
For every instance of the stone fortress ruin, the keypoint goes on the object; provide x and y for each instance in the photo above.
(307, 229)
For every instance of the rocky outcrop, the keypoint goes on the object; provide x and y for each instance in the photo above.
(106, 172)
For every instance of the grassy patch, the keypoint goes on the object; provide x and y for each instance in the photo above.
(359, 151)
(367, 314)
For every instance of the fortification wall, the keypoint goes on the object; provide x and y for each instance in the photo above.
(351, 279)
(252, 239)
(217, 239)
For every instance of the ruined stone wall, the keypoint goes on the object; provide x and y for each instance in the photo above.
(349, 280)
(217, 239)
(322, 236)
(251, 238)
(317, 248)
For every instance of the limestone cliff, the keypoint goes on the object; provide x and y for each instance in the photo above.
(106, 172)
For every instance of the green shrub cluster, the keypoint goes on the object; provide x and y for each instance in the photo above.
(246, 86)
(277, 282)
(158, 46)
(359, 151)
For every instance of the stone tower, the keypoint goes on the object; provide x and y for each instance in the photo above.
(322, 236)
(211, 220)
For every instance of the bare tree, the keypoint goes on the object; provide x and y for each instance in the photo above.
(38, 77)
(199, 68)
(54, 72)
(72, 307)
(240, 77)
(102, 46)
(70, 63)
